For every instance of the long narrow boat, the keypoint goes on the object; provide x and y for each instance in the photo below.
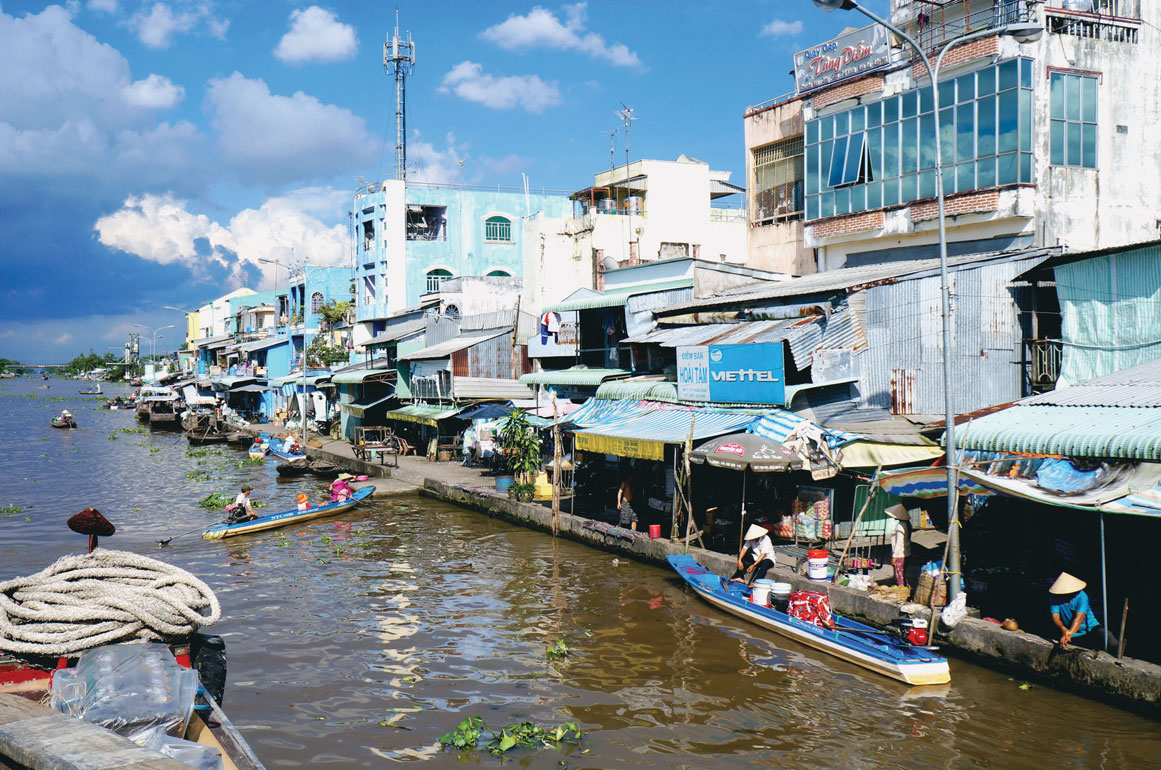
(854, 642)
(58, 423)
(277, 449)
(286, 518)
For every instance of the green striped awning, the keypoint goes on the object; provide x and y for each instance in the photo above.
(1123, 432)
(590, 377)
(424, 414)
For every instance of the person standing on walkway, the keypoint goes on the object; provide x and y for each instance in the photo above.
(900, 540)
(1073, 615)
(625, 495)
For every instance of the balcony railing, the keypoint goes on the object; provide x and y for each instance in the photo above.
(1115, 21)
(934, 25)
(1044, 358)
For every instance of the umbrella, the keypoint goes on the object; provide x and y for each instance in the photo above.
(746, 451)
(486, 412)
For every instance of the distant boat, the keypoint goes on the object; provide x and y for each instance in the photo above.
(65, 422)
(93, 391)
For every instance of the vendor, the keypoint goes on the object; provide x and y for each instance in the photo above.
(1073, 615)
(900, 540)
(756, 557)
(341, 488)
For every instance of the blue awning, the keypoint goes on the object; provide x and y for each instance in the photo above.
(778, 424)
(645, 431)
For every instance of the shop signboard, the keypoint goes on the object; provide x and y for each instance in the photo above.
(743, 374)
(850, 54)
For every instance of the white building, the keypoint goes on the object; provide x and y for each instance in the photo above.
(647, 211)
(1048, 141)
(215, 316)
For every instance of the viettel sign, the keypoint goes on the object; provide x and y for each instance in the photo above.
(846, 56)
(748, 374)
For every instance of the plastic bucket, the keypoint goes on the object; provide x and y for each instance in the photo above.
(654, 531)
(816, 564)
(780, 595)
(503, 482)
(760, 593)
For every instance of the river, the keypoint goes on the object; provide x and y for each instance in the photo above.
(357, 642)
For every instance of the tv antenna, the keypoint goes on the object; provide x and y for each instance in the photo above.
(626, 114)
(399, 60)
(612, 145)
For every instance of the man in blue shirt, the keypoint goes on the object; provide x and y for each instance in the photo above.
(1073, 615)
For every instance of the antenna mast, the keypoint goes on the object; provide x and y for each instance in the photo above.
(626, 114)
(612, 146)
(399, 60)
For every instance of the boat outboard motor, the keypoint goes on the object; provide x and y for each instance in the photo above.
(912, 630)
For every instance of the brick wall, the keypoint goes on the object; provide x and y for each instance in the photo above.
(871, 220)
(960, 204)
(848, 90)
(987, 46)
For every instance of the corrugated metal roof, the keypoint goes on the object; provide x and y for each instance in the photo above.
(1148, 373)
(778, 424)
(725, 333)
(847, 278)
(616, 297)
(1131, 433)
(398, 332)
(652, 299)
(361, 375)
(489, 389)
(591, 377)
(672, 425)
(649, 390)
(445, 349)
(250, 347)
(424, 414)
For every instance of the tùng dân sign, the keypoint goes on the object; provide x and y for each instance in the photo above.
(845, 56)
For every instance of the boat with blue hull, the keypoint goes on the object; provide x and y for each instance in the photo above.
(286, 518)
(854, 642)
(278, 449)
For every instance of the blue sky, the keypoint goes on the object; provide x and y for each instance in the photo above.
(152, 152)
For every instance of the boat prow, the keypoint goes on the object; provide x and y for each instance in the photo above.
(854, 642)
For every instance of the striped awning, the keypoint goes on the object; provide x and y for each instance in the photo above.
(779, 424)
(574, 376)
(424, 414)
(362, 375)
(926, 482)
(645, 434)
(359, 408)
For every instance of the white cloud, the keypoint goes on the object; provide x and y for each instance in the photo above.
(541, 28)
(157, 26)
(437, 166)
(162, 229)
(779, 28)
(154, 92)
(468, 80)
(316, 35)
(285, 138)
(63, 339)
(108, 6)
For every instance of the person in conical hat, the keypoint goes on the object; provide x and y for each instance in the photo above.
(1072, 614)
(900, 540)
(756, 557)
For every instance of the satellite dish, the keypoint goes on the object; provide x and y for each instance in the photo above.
(609, 263)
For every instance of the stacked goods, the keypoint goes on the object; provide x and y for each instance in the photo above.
(812, 519)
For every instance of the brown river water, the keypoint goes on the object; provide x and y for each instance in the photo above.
(358, 641)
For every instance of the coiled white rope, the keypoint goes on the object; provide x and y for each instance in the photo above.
(100, 598)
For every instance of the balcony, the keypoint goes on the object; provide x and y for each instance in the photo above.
(934, 25)
(1114, 21)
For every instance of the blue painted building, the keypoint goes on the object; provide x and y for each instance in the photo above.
(410, 238)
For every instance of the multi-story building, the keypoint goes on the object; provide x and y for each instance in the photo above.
(409, 238)
(1046, 135)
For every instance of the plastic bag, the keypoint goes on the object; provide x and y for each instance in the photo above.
(135, 690)
(201, 757)
(953, 613)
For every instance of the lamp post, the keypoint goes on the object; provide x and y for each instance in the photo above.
(153, 338)
(1023, 33)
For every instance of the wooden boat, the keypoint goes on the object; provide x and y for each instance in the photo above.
(277, 449)
(286, 518)
(93, 391)
(198, 439)
(24, 685)
(65, 424)
(324, 469)
(854, 642)
(296, 467)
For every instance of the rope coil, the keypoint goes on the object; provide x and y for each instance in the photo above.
(99, 598)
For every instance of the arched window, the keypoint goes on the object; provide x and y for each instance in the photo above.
(316, 302)
(498, 230)
(435, 278)
(499, 274)
(451, 311)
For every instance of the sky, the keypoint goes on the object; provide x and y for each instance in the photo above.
(152, 152)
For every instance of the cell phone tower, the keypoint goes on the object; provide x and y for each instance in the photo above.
(399, 60)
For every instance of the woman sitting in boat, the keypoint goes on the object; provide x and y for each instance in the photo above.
(64, 416)
(756, 557)
(341, 488)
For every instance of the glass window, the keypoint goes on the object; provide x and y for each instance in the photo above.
(1009, 75)
(910, 104)
(1009, 121)
(812, 132)
(909, 145)
(874, 114)
(498, 230)
(837, 162)
(986, 126)
(986, 172)
(812, 207)
(891, 150)
(840, 123)
(810, 172)
(1088, 96)
(947, 135)
(842, 201)
(927, 141)
(1056, 143)
(965, 130)
(875, 152)
(891, 192)
(1026, 167)
(1073, 128)
(1025, 120)
(946, 93)
(965, 177)
(909, 188)
(316, 302)
(875, 195)
(1056, 97)
(891, 109)
(1088, 150)
(1026, 73)
(927, 184)
(856, 120)
(435, 278)
(986, 81)
(1006, 169)
(858, 198)
(1071, 97)
(826, 128)
(1072, 144)
(855, 157)
(826, 205)
(926, 103)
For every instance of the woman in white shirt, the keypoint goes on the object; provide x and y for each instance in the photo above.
(900, 540)
(756, 557)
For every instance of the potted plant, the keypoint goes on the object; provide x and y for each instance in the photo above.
(520, 445)
(522, 492)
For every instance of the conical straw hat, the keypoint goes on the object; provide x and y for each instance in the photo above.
(755, 532)
(1067, 584)
(899, 512)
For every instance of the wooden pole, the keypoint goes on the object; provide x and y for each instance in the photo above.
(1104, 582)
(1121, 637)
(687, 486)
(874, 489)
(556, 470)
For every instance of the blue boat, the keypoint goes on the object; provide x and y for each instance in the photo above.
(277, 448)
(286, 518)
(854, 642)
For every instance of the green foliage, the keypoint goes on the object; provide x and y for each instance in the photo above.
(11, 509)
(250, 462)
(321, 353)
(557, 649)
(215, 501)
(5, 363)
(88, 362)
(132, 430)
(521, 444)
(335, 312)
(527, 735)
(197, 475)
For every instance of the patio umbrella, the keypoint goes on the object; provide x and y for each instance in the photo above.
(743, 452)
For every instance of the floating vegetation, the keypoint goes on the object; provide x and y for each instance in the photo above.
(326, 539)
(112, 436)
(526, 735)
(258, 504)
(557, 650)
(132, 430)
(11, 509)
(215, 501)
(250, 462)
(202, 452)
(282, 541)
(197, 475)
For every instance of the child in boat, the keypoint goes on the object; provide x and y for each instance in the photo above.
(303, 502)
(341, 488)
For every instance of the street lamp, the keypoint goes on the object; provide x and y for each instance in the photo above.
(1023, 33)
(286, 267)
(153, 338)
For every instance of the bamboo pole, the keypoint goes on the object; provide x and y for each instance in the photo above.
(855, 527)
(1121, 638)
(556, 470)
(687, 486)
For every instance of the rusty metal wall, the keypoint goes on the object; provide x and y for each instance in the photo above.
(491, 358)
